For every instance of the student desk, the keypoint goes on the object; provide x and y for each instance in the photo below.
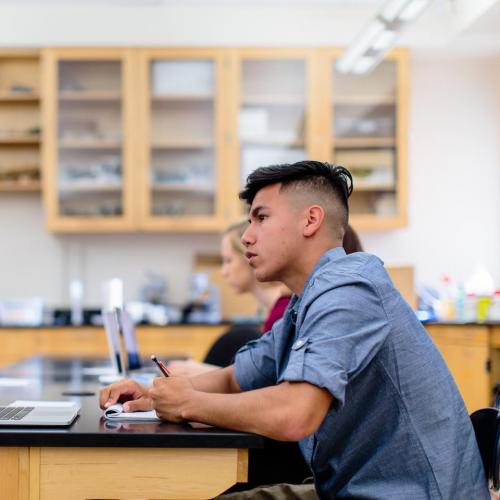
(96, 459)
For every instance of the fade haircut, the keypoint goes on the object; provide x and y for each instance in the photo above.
(317, 182)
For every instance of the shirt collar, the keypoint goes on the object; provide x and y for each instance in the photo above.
(329, 256)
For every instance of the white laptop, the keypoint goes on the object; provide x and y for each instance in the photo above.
(123, 349)
(39, 413)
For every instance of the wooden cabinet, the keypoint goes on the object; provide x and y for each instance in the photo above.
(270, 122)
(467, 351)
(366, 118)
(89, 124)
(163, 139)
(181, 139)
(19, 343)
(19, 120)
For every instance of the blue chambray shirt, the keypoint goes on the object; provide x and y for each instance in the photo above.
(397, 427)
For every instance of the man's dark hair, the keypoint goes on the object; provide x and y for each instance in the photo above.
(329, 183)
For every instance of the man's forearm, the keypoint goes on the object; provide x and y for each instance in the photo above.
(216, 381)
(280, 412)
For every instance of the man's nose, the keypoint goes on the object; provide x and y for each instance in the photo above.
(246, 237)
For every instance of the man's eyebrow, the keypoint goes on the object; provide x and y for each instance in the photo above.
(256, 210)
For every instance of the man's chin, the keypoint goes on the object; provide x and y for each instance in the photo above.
(262, 276)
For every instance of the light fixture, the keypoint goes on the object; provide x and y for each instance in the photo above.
(379, 36)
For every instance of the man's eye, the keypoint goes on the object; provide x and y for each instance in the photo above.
(262, 217)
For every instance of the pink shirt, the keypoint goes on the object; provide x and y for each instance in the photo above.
(276, 313)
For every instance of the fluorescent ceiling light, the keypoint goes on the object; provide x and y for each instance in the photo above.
(391, 10)
(413, 10)
(384, 41)
(368, 49)
(364, 64)
(360, 46)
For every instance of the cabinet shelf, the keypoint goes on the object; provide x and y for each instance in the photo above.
(89, 95)
(20, 139)
(273, 100)
(364, 142)
(182, 97)
(186, 144)
(7, 96)
(270, 142)
(97, 145)
(89, 187)
(20, 186)
(360, 186)
(183, 187)
(362, 100)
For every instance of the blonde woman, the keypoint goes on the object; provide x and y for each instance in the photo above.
(272, 297)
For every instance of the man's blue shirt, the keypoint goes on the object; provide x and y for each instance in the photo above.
(397, 427)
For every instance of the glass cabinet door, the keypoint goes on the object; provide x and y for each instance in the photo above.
(366, 140)
(272, 119)
(90, 152)
(181, 157)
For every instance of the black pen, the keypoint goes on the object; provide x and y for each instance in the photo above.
(161, 366)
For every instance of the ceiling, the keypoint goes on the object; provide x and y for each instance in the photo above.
(452, 25)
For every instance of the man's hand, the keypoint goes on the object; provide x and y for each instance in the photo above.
(170, 396)
(134, 395)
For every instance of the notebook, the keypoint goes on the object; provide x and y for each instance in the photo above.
(116, 412)
(39, 413)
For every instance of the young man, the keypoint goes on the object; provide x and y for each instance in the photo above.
(349, 371)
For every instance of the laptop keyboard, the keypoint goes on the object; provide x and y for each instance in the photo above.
(14, 412)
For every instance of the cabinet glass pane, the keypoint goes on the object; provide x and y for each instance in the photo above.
(90, 135)
(272, 114)
(365, 136)
(182, 131)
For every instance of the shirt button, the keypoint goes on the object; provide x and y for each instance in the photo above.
(299, 343)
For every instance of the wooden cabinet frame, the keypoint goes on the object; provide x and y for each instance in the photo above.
(137, 201)
(54, 220)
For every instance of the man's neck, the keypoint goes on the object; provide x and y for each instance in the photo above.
(298, 276)
(267, 296)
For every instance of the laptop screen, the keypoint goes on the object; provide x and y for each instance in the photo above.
(112, 328)
(130, 339)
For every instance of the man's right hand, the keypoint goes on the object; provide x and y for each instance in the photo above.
(133, 395)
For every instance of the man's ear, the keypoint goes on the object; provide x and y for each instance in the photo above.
(315, 216)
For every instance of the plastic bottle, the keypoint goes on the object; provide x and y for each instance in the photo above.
(447, 301)
(460, 303)
(494, 309)
(76, 302)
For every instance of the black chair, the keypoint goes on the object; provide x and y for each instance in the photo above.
(225, 347)
(486, 423)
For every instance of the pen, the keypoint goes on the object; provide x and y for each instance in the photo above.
(161, 366)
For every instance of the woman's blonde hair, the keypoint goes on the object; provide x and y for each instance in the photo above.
(235, 232)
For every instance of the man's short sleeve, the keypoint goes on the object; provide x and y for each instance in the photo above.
(342, 330)
(254, 364)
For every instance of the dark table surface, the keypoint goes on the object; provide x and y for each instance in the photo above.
(50, 377)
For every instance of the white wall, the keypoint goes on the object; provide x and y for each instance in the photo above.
(454, 162)
(454, 152)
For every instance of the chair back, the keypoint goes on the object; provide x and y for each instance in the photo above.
(486, 423)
